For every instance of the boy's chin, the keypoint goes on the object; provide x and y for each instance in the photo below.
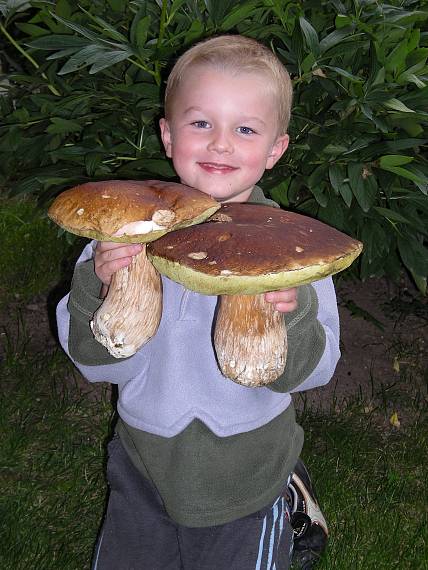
(222, 192)
(227, 194)
(241, 196)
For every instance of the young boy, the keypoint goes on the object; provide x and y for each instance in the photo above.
(199, 465)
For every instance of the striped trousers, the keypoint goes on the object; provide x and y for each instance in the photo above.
(138, 534)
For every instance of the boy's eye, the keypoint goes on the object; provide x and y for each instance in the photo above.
(201, 124)
(246, 131)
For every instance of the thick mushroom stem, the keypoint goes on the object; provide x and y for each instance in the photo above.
(250, 339)
(131, 311)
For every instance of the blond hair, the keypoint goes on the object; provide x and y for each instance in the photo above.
(235, 54)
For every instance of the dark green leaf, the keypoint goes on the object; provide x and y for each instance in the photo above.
(397, 105)
(236, 16)
(334, 38)
(141, 31)
(396, 59)
(10, 7)
(57, 42)
(394, 160)
(421, 282)
(355, 173)
(344, 73)
(108, 59)
(280, 193)
(311, 37)
(79, 29)
(337, 175)
(159, 167)
(392, 215)
(92, 162)
(82, 58)
(107, 28)
(339, 182)
(61, 54)
(406, 173)
(342, 21)
(59, 126)
(414, 255)
(218, 9)
(31, 29)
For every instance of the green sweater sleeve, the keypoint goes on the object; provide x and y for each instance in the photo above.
(84, 300)
(306, 341)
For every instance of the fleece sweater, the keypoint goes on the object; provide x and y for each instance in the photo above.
(215, 450)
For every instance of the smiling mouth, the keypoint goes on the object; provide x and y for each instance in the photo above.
(217, 167)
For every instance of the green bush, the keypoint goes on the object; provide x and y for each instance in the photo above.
(85, 92)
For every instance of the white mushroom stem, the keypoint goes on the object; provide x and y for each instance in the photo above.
(250, 339)
(131, 311)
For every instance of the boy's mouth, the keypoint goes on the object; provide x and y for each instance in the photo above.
(217, 168)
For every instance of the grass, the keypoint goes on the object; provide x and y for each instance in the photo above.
(52, 458)
(371, 482)
(33, 251)
(369, 474)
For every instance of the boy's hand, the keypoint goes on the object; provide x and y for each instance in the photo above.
(285, 301)
(110, 257)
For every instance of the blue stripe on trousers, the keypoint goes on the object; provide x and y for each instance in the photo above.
(277, 513)
(95, 566)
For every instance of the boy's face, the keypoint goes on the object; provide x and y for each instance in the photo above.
(222, 133)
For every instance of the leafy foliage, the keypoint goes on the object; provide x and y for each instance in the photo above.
(84, 92)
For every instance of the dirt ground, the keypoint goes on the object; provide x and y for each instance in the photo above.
(384, 331)
(384, 345)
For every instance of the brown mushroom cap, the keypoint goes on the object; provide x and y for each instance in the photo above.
(129, 210)
(249, 249)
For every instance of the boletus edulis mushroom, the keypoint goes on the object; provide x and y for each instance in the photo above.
(241, 252)
(130, 211)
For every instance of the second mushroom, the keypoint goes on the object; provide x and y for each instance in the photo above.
(241, 252)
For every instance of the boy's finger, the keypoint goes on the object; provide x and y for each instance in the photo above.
(288, 295)
(119, 263)
(284, 307)
(119, 252)
(106, 270)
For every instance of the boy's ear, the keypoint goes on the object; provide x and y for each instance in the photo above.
(277, 150)
(165, 136)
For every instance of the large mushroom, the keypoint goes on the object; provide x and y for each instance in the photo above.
(130, 211)
(242, 251)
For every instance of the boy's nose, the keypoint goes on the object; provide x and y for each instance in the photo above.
(220, 143)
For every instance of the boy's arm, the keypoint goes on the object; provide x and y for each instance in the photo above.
(74, 313)
(313, 339)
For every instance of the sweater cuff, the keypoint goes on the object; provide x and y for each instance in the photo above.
(84, 300)
(306, 341)
(85, 288)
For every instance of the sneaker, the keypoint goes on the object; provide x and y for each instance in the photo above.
(309, 525)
